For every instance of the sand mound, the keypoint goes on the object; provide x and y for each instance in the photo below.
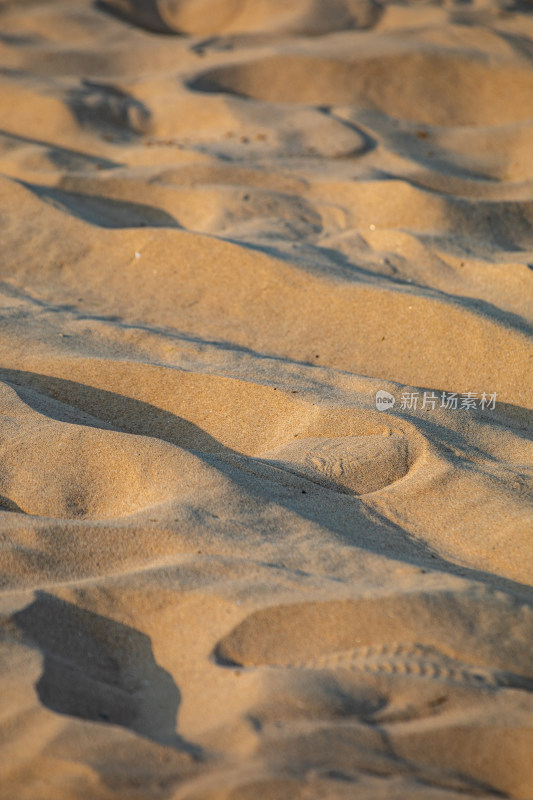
(103, 474)
(433, 88)
(435, 621)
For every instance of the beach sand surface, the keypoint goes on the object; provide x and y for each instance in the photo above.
(225, 227)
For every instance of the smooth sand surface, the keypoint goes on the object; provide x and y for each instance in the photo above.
(225, 226)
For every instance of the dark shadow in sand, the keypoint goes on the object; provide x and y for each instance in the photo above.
(108, 410)
(104, 211)
(141, 14)
(101, 670)
(63, 157)
(6, 504)
(94, 104)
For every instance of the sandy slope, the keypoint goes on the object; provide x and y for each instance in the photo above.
(225, 225)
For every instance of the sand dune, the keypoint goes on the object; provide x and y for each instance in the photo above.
(233, 233)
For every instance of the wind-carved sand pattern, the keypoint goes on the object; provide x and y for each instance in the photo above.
(348, 464)
(361, 636)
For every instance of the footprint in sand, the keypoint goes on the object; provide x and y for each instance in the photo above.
(418, 661)
(420, 634)
(349, 464)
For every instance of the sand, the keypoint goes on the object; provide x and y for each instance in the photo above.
(266, 397)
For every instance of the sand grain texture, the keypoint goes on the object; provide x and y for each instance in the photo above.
(225, 227)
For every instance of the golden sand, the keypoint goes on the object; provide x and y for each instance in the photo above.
(229, 572)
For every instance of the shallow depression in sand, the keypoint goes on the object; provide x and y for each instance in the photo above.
(348, 464)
